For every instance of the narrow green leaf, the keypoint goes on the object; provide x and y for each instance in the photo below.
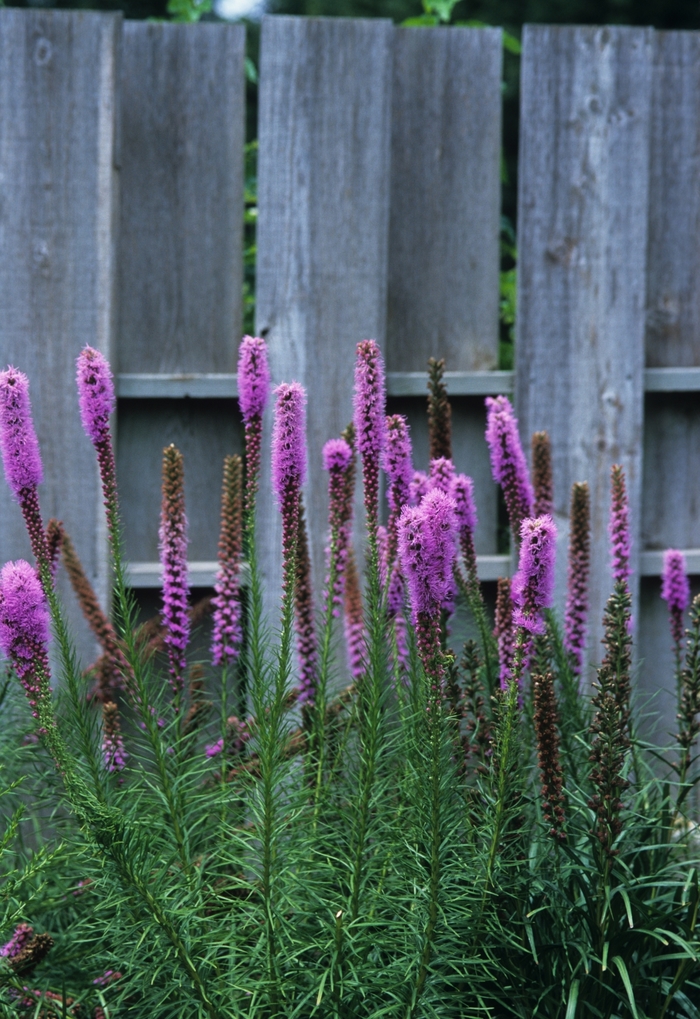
(573, 998)
(622, 970)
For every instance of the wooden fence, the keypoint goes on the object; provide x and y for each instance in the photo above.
(121, 208)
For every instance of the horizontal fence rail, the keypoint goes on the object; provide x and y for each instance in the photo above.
(121, 157)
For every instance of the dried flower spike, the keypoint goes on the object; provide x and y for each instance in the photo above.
(354, 620)
(113, 751)
(546, 728)
(226, 632)
(304, 617)
(503, 630)
(439, 412)
(289, 470)
(173, 558)
(508, 461)
(338, 461)
(542, 474)
(579, 569)
(619, 527)
(370, 423)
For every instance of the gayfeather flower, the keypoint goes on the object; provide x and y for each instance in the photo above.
(253, 392)
(419, 488)
(508, 461)
(675, 591)
(427, 549)
(370, 423)
(289, 470)
(442, 474)
(23, 933)
(542, 474)
(113, 752)
(439, 412)
(533, 584)
(579, 568)
(97, 401)
(619, 528)
(226, 632)
(24, 628)
(304, 617)
(383, 554)
(546, 728)
(173, 558)
(398, 466)
(21, 456)
(503, 630)
(354, 620)
(338, 461)
(462, 493)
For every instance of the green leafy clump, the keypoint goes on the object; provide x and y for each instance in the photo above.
(425, 841)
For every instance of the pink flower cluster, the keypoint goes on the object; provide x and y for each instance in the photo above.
(95, 393)
(508, 463)
(533, 584)
(427, 550)
(253, 377)
(18, 441)
(675, 590)
(289, 439)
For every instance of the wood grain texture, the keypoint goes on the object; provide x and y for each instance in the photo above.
(582, 237)
(323, 199)
(180, 254)
(673, 267)
(205, 431)
(671, 485)
(57, 216)
(445, 198)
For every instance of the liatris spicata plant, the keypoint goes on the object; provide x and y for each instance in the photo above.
(113, 750)
(173, 557)
(546, 719)
(508, 461)
(54, 541)
(442, 474)
(253, 393)
(579, 568)
(542, 480)
(398, 466)
(619, 527)
(503, 630)
(689, 713)
(304, 615)
(227, 632)
(289, 469)
(675, 591)
(354, 620)
(419, 488)
(533, 584)
(97, 400)
(22, 934)
(439, 412)
(21, 457)
(370, 424)
(337, 460)
(24, 629)
(462, 492)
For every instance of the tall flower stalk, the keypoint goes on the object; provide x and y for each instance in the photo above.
(546, 718)
(253, 393)
(439, 412)
(227, 631)
(532, 588)
(24, 630)
(508, 464)
(542, 478)
(370, 426)
(578, 574)
(97, 401)
(619, 528)
(173, 557)
(675, 591)
(504, 631)
(304, 614)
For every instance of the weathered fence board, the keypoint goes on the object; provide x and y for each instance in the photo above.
(323, 200)
(582, 234)
(57, 217)
(180, 246)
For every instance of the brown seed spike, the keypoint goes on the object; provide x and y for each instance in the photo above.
(542, 473)
(546, 727)
(439, 412)
(32, 954)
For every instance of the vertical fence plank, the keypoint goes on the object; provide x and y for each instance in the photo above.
(672, 423)
(443, 287)
(323, 199)
(180, 258)
(582, 235)
(57, 212)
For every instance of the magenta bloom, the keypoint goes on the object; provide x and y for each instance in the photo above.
(289, 440)
(462, 492)
(23, 933)
(253, 377)
(533, 584)
(18, 441)
(442, 473)
(336, 455)
(508, 464)
(619, 527)
(173, 557)
(397, 461)
(419, 488)
(212, 749)
(427, 550)
(24, 627)
(95, 393)
(675, 590)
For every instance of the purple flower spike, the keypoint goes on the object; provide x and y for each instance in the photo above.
(20, 446)
(253, 377)
(419, 488)
(370, 424)
(338, 461)
(212, 749)
(462, 491)
(619, 528)
(508, 461)
(23, 933)
(336, 455)
(289, 440)
(95, 393)
(24, 627)
(442, 472)
(675, 590)
(114, 753)
(533, 584)
(397, 461)
(578, 573)
(173, 558)
(427, 549)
